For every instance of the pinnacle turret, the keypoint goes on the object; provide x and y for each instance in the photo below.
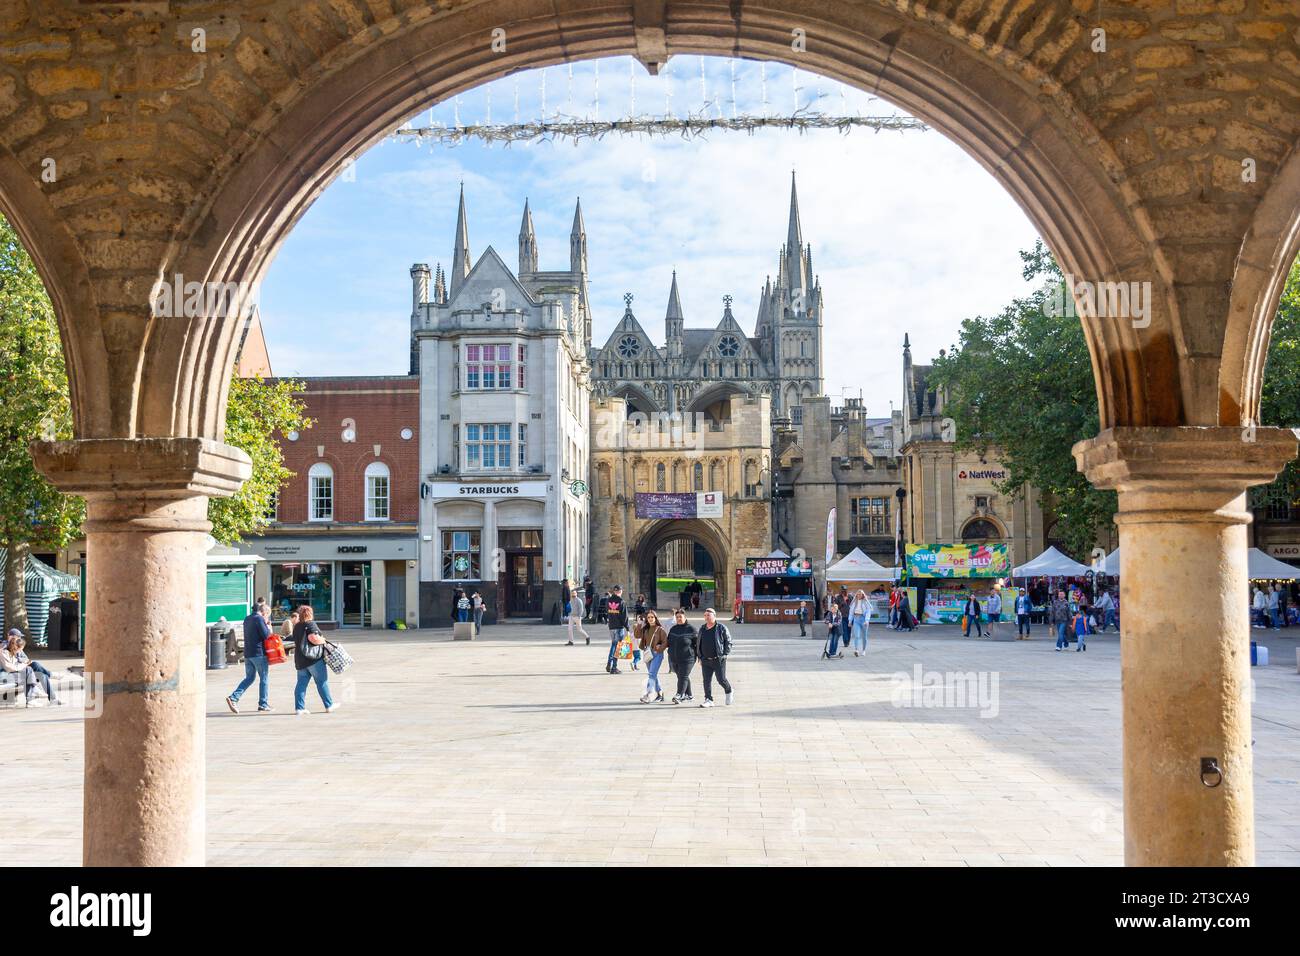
(460, 256)
(527, 242)
(578, 242)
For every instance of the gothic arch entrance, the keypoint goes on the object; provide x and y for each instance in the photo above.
(698, 531)
(1017, 89)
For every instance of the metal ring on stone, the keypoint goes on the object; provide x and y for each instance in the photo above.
(1210, 767)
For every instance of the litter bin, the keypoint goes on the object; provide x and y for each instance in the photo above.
(217, 647)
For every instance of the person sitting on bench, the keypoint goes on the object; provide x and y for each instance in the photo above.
(14, 661)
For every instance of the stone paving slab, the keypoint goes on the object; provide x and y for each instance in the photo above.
(516, 749)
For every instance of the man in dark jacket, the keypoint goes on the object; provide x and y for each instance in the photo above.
(616, 615)
(1059, 616)
(972, 613)
(589, 587)
(715, 645)
(683, 649)
(256, 631)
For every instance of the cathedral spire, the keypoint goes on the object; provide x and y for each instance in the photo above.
(578, 242)
(439, 286)
(673, 320)
(527, 242)
(796, 268)
(460, 256)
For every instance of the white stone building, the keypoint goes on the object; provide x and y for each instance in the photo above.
(504, 411)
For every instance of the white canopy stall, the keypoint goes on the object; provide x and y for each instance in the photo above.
(1261, 567)
(856, 566)
(1051, 564)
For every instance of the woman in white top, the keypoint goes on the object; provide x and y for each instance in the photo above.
(860, 616)
(575, 615)
(20, 667)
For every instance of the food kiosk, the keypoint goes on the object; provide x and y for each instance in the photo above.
(772, 587)
(857, 572)
(950, 573)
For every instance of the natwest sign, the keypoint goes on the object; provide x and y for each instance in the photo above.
(988, 474)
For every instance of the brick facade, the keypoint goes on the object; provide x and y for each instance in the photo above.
(376, 409)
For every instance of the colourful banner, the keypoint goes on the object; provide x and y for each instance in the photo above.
(958, 560)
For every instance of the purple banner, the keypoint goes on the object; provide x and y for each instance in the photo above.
(660, 504)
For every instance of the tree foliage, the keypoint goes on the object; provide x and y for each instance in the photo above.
(1021, 383)
(1280, 401)
(257, 411)
(33, 405)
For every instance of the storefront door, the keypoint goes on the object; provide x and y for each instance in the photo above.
(356, 595)
(523, 585)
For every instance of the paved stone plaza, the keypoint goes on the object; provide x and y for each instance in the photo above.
(517, 750)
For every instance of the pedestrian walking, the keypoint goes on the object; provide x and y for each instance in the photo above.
(802, 615)
(309, 659)
(859, 622)
(993, 608)
(1271, 595)
(1283, 599)
(1260, 606)
(715, 646)
(971, 615)
(1023, 608)
(1081, 631)
(834, 621)
(640, 607)
(894, 594)
(476, 604)
(616, 616)
(683, 649)
(20, 669)
(257, 629)
(653, 642)
(575, 617)
(1059, 616)
(589, 593)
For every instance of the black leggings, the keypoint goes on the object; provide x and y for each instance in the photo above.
(683, 671)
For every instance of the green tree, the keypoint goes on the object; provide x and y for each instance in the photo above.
(33, 405)
(1280, 401)
(1021, 382)
(256, 413)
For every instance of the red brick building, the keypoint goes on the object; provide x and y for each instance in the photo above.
(344, 539)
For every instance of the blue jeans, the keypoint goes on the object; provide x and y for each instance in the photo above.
(860, 625)
(835, 639)
(615, 636)
(255, 668)
(652, 674)
(1060, 635)
(318, 672)
(462, 615)
(1111, 619)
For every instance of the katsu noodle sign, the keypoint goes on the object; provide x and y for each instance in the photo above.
(777, 567)
(958, 560)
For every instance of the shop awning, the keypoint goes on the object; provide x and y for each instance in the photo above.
(856, 566)
(1051, 564)
(1262, 567)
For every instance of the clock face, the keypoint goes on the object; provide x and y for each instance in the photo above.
(728, 346)
(629, 346)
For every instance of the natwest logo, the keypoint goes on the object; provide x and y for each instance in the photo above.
(996, 474)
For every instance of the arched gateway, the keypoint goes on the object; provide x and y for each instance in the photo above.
(232, 145)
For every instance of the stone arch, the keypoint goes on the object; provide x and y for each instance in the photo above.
(1027, 131)
(703, 531)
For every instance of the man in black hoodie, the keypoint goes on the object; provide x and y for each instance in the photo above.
(616, 614)
(715, 645)
(683, 648)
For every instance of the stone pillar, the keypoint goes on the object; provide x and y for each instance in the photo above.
(146, 503)
(1185, 648)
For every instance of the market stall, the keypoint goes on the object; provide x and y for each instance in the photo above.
(772, 587)
(1058, 570)
(1268, 574)
(857, 572)
(949, 573)
(41, 584)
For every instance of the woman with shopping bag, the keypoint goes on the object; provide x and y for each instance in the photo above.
(309, 658)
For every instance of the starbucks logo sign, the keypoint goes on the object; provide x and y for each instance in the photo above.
(461, 563)
(578, 488)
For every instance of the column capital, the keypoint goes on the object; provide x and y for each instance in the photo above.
(1183, 457)
(1184, 473)
(155, 468)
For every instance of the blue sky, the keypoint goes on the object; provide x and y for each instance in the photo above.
(908, 233)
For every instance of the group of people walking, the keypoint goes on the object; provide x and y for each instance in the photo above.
(1270, 606)
(681, 644)
(847, 618)
(308, 658)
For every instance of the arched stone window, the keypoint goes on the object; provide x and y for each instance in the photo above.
(980, 530)
(679, 476)
(699, 476)
(661, 477)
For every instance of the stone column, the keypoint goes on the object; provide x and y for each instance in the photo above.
(146, 529)
(1185, 647)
